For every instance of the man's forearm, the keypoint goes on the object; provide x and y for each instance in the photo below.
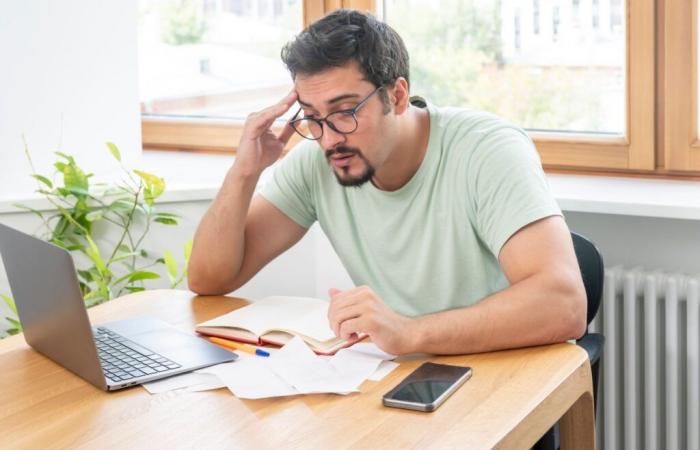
(534, 311)
(219, 243)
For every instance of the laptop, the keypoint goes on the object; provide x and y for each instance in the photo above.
(111, 356)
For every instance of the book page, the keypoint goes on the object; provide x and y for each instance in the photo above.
(304, 315)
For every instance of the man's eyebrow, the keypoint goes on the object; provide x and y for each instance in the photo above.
(331, 101)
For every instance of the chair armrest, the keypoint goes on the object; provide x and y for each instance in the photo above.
(593, 344)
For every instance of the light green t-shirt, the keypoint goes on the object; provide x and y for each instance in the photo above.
(433, 244)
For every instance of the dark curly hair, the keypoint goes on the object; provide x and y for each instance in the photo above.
(344, 36)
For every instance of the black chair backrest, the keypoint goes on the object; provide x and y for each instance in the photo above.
(592, 271)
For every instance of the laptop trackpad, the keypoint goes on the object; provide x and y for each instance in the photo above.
(164, 339)
(176, 346)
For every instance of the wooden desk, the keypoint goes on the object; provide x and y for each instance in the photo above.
(512, 398)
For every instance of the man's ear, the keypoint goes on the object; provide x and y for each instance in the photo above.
(399, 97)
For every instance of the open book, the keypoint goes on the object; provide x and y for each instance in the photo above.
(276, 320)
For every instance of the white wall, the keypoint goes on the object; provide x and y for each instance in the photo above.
(68, 81)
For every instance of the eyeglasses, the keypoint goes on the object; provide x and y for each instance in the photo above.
(343, 122)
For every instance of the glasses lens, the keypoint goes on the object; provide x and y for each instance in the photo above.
(343, 122)
(310, 129)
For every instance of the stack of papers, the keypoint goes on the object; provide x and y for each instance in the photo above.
(292, 370)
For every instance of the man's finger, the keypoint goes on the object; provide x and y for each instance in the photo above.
(340, 317)
(349, 328)
(286, 134)
(263, 119)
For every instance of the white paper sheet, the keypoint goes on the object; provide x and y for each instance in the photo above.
(368, 349)
(291, 370)
(251, 378)
(384, 369)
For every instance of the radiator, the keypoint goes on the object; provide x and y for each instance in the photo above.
(649, 391)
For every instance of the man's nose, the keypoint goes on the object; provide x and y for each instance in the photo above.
(330, 137)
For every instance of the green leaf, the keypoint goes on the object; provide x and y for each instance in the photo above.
(166, 214)
(90, 295)
(143, 275)
(188, 251)
(27, 208)
(154, 186)
(114, 150)
(170, 265)
(74, 179)
(66, 157)
(123, 204)
(135, 288)
(85, 275)
(94, 253)
(44, 180)
(124, 248)
(10, 302)
(123, 256)
(78, 191)
(95, 215)
(165, 220)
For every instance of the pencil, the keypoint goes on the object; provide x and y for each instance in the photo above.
(232, 345)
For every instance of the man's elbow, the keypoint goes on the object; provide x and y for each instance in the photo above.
(202, 283)
(576, 321)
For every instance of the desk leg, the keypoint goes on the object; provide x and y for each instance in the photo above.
(577, 426)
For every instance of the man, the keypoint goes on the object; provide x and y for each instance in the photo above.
(442, 217)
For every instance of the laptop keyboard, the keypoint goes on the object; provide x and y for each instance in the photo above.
(123, 359)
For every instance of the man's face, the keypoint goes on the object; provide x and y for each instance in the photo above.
(353, 157)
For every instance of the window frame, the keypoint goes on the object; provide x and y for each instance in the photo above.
(679, 146)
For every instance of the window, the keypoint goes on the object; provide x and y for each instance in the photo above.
(536, 16)
(205, 64)
(615, 15)
(572, 83)
(572, 88)
(215, 58)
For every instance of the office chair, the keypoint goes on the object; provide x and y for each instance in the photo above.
(590, 262)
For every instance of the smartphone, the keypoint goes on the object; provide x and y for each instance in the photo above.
(427, 387)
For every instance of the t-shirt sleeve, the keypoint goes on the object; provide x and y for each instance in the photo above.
(291, 187)
(508, 185)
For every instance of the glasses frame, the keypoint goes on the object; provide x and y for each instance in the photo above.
(348, 112)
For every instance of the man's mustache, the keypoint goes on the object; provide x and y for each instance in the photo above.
(342, 150)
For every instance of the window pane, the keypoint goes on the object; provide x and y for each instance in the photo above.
(552, 65)
(214, 58)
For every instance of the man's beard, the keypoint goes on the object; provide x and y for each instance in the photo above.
(345, 179)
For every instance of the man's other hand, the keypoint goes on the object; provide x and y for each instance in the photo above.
(360, 310)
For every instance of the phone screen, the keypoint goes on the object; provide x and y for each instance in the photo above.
(426, 391)
(427, 386)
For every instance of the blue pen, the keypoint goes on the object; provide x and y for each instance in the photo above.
(239, 346)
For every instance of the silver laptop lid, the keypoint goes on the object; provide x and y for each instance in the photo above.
(49, 303)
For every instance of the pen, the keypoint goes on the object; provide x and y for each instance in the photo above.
(239, 346)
